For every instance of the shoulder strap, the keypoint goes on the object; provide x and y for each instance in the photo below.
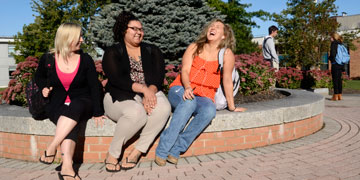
(49, 63)
(265, 48)
(221, 58)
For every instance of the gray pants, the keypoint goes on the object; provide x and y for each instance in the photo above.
(131, 116)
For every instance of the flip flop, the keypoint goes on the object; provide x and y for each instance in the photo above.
(47, 156)
(61, 176)
(130, 162)
(112, 170)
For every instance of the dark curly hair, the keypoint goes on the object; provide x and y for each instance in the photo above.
(121, 25)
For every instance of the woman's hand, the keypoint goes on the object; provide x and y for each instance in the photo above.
(46, 91)
(237, 109)
(147, 108)
(149, 99)
(99, 120)
(188, 93)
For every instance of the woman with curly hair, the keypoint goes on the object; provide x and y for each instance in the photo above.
(192, 92)
(133, 98)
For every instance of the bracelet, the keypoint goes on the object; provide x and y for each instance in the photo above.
(231, 110)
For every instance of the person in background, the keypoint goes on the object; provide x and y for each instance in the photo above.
(74, 93)
(192, 92)
(268, 48)
(336, 69)
(133, 98)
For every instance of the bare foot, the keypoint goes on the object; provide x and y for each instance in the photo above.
(131, 160)
(49, 155)
(112, 163)
(69, 171)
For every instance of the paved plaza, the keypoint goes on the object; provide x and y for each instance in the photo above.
(331, 153)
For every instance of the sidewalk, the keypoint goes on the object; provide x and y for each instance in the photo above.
(331, 153)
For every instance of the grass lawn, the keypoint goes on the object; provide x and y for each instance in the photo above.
(1, 89)
(353, 84)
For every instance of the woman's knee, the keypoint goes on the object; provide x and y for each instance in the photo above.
(163, 103)
(136, 113)
(210, 111)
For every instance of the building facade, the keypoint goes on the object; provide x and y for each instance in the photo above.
(348, 24)
(7, 61)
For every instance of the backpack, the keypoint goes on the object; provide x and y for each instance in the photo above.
(342, 55)
(263, 46)
(34, 97)
(220, 99)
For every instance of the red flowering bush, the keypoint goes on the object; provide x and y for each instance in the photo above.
(289, 78)
(171, 73)
(256, 75)
(101, 75)
(320, 78)
(15, 92)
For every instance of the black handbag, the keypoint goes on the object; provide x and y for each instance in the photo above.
(36, 101)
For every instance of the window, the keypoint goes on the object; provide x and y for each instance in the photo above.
(11, 70)
(11, 50)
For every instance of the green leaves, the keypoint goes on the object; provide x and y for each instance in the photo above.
(304, 31)
(241, 22)
(38, 37)
(171, 25)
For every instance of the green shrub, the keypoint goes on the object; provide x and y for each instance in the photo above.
(15, 92)
(256, 75)
(289, 78)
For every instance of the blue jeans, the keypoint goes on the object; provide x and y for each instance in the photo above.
(174, 139)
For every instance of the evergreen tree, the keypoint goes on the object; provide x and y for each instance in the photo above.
(38, 37)
(304, 31)
(241, 22)
(171, 25)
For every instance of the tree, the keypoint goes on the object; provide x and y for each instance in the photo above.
(38, 37)
(171, 25)
(305, 28)
(241, 22)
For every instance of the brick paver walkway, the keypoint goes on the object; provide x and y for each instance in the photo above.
(331, 153)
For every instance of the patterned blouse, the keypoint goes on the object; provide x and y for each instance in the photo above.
(136, 72)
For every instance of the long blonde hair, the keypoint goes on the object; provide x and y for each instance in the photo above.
(66, 34)
(337, 37)
(228, 41)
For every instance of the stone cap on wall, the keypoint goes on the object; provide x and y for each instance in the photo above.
(300, 104)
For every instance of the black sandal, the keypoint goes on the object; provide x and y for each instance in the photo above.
(130, 162)
(112, 170)
(61, 176)
(46, 156)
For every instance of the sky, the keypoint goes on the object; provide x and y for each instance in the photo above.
(14, 14)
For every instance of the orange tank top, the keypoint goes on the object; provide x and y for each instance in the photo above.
(204, 76)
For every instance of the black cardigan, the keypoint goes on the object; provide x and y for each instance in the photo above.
(84, 85)
(116, 66)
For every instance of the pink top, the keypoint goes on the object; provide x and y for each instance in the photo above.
(66, 78)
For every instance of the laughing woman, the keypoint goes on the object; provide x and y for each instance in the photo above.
(192, 93)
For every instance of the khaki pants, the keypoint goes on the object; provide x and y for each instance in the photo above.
(131, 116)
(275, 65)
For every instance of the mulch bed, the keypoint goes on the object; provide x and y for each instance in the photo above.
(259, 97)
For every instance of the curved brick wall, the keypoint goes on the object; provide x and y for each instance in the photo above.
(263, 124)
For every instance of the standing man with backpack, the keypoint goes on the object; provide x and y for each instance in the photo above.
(339, 56)
(268, 48)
